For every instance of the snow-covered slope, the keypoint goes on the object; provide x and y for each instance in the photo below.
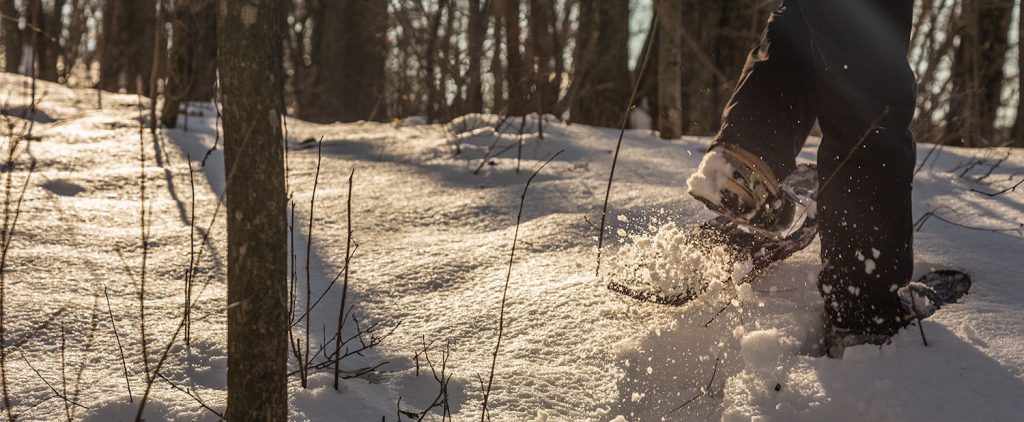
(434, 238)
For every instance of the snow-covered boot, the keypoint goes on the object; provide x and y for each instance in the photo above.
(737, 184)
(920, 299)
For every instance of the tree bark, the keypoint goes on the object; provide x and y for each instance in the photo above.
(250, 61)
(670, 58)
(12, 36)
(604, 88)
(977, 73)
(348, 55)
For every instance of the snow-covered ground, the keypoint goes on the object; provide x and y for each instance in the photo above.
(434, 238)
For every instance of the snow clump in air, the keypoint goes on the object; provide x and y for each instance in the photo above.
(670, 263)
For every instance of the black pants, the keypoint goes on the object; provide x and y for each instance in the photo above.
(844, 63)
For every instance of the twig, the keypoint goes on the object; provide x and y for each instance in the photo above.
(344, 288)
(48, 385)
(919, 224)
(10, 221)
(622, 132)
(504, 292)
(994, 194)
(63, 367)
(706, 391)
(193, 396)
(442, 378)
(304, 363)
(191, 253)
(93, 327)
(144, 235)
(296, 321)
(727, 304)
(917, 314)
(120, 349)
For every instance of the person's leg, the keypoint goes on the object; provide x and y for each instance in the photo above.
(764, 125)
(866, 160)
(773, 108)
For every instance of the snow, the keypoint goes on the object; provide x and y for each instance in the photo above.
(762, 349)
(710, 178)
(433, 249)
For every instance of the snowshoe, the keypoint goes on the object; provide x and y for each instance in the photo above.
(920, 300)
(737, 184)
(728, 250)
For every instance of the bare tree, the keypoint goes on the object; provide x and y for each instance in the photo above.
(125, 45)
(601, 63)
(670, 58)
(11, 35)
(475, 50)
(977, 73)
(348, 55)
(250, 60)
(516, 74)
(192, 56)
(543, 48)
(1017, 133)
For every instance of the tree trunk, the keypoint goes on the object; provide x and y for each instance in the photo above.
(12, 37)
(250, 61)
(647, 88)
(516, 74)
(670, 58)
(203, 50)
(126, 44)
(604, 87)
(543, 48)
(77, 26)
(191, 67)
(497, 71)
(717, 37)
(179, 64)
(434, 94)
(977, 73)
(35, 20)
(50, 19)
(1018, 123)
(475, 45)
(348, 59)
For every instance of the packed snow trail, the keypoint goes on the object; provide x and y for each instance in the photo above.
(433, 249)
